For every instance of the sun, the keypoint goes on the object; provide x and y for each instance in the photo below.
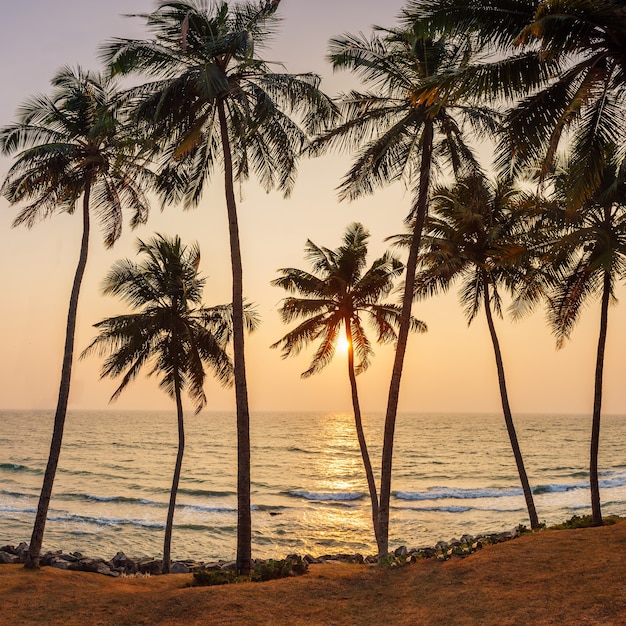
(342, 344)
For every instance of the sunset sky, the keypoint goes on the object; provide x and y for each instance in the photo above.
(451, 368)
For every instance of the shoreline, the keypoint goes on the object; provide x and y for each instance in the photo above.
(567, 577)
(123, 565)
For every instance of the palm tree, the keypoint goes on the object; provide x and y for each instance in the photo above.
(475, 234)
(560, 63)
(585, 100)
(590, 257)
(213, 101)
(69, 146)
(170, 332)
(404, 129)
(338, 293)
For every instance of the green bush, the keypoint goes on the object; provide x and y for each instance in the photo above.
(208, 578)
(584, 521)
(273, 569)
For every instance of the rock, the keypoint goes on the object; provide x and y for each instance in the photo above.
(310, 559)
(212, 567)
(230, 566)
(49, 557)
(22, 552)
(60, 564)
(150, 566)
(371, 559)
(179, 568)
(6, 557)
(122, 563)
(401, 551)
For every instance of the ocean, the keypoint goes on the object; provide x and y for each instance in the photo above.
(453, 475)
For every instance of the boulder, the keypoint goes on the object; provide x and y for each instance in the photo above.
(212, 567)
(401, 551)
(6, 557)
(230, 566)
(22, 552)
(179, 568)
(150, 566)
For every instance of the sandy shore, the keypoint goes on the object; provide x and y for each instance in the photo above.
(552, 577)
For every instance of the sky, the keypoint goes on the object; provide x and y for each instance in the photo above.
(449, 369)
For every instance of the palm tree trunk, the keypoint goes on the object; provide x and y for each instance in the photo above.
(506, 409)
(596, 511)
(419, 210)
(369, 473)
(34, 550)
(167, 543)
(244, 517)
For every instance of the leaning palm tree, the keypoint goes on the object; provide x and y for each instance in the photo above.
(213, 101)
(404, 130)
(170, 332)
(591, 258)
(338, 293)
(70, 146)
(476, 234)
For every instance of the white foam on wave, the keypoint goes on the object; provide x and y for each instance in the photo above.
(342, 496)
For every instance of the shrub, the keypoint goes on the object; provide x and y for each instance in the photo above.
(208, 578)
(272, 569)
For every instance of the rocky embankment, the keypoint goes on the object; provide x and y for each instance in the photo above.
(122, 565)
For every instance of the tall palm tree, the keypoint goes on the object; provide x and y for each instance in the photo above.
(170, 332)
(591, 258)
(336, 296)
(404, 129)
(475, 234)
(69, 146)
(213, 100)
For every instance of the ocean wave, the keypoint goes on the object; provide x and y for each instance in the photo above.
(457, 493)
(207, 509)
(343, 496)
(457, 509)
(205, 492)
(302, 450)
(618, 480)
(150, 503)
(440, 509)
(104, 521)
(14, 509)
(15, 494)
(16, 467)
(268, 507)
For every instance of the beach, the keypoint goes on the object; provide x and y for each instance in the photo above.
(549, 577)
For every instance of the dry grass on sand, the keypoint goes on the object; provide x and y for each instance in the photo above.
(552, 577)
